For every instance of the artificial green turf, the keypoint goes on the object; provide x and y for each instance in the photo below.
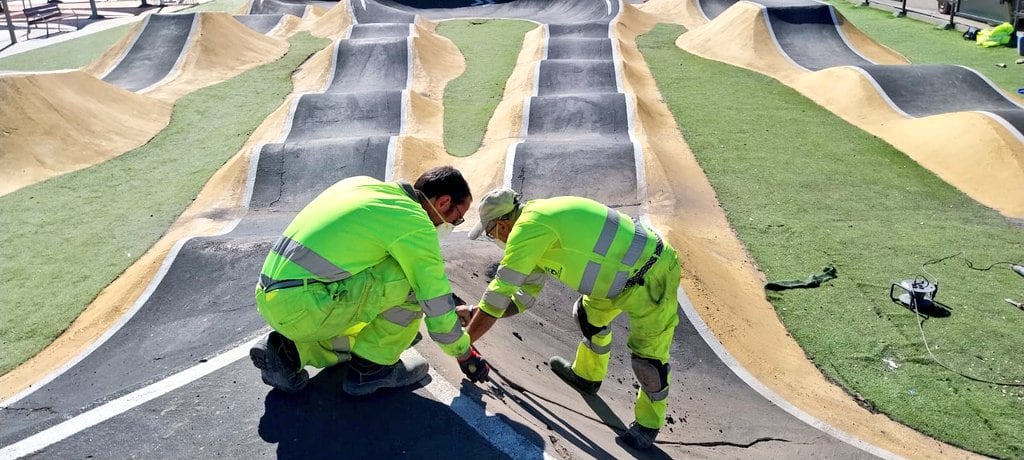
(228, 6)
(76, 53)
(65, 239)
(71, 54)
(804, 189)
(924, 43)
(491, 48)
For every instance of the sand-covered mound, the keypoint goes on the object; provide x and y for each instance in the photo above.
(969, 150)
(221, 48)
(332, 23)
(59, 122)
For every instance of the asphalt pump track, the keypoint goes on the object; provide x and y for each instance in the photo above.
(172, 378)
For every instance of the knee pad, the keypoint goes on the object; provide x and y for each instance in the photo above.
(652, 375)
(588, 330)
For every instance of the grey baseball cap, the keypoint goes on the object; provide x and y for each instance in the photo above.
(494, 204)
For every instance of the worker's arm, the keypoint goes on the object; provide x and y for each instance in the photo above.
(419, 254)
(527, 243)
(482, 322)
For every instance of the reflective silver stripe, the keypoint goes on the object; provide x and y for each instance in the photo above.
(604, 241)
(636, 247)
(618, 284)
(657, 395)
(341, 344)
(448, 337)
(438, 305)
(537, 278)
(604, 332)
(497, 300)
(524, 299)
(599, 349)
(511, 276)
(589, 277)
(401, 316)
(309, 260)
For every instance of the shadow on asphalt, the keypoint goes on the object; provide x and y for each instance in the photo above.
(323, 422)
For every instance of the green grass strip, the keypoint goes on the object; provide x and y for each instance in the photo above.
(924, 43)
(65, 239)
(804, 189)
(76, 53)
(71, 54)
(491, 48)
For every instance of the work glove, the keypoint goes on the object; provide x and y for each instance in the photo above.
(474, 366)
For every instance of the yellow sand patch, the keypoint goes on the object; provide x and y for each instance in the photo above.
(286, 28)
(220, 48)
(684, 12)
(867, 47)
(58, 122)
(721, 279)
(435, 62)
(331, 23)
(315, 74)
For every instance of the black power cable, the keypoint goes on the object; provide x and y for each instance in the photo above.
(920, 322)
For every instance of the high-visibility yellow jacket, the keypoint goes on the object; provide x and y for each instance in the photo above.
(358, 223)
(584, 244)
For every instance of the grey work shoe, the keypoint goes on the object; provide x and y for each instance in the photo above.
(563, 369)
(639, 436)
(278, 361)
(403, 373)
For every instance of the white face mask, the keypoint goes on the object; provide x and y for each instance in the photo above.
(445, 228)
(500, 244)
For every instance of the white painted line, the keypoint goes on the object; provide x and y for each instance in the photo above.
(771, 32)
(881, 92)
(752, 382)
(490, 426)
(1006, 124)
(68, 428)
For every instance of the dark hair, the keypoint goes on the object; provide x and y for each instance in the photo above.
(444, 180)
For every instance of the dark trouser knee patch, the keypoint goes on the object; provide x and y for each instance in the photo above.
(588, 330)
(652, 375)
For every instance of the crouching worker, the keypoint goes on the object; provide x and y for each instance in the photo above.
(617, 264)
(351, 277)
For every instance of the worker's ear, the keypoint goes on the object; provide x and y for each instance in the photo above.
(443, 203)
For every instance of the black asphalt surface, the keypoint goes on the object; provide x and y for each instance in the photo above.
(262, 23)
(576, 140)
(154, 52)
(278, 7)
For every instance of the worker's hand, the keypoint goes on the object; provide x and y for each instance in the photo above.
(474, 366)
(465, 313)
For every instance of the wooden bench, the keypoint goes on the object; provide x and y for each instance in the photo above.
(45, 14)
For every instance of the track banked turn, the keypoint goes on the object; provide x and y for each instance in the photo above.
(155, 52)
(808, 34)
(576, 140)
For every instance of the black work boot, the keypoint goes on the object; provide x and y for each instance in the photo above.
(278, 360)
(365, 377)
(639, 436)
(563, 369)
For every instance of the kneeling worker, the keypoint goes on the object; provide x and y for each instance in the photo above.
(617, 264)
(351, 277)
